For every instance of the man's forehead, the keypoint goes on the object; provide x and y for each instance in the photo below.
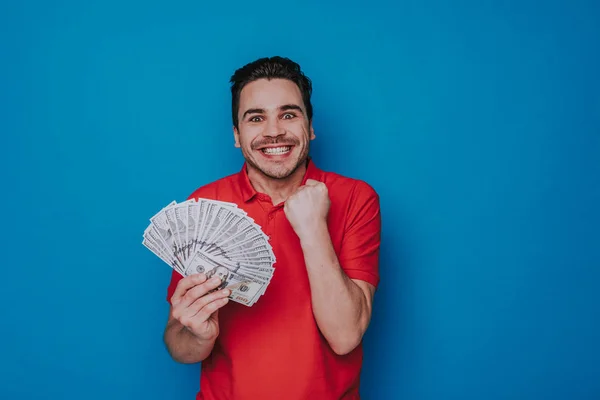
(270, 94)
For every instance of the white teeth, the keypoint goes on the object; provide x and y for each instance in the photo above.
(276, 150)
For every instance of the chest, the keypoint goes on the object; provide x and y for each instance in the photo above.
(289, 285)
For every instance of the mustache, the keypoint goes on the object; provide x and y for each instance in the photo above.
(280, 141)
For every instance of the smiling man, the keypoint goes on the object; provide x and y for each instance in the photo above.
(303, 339)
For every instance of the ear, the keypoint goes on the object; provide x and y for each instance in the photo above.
(236, 137)
(312, 131)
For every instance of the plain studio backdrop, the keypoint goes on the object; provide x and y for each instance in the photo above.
(477, 122)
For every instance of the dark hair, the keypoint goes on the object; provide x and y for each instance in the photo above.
(269, 68)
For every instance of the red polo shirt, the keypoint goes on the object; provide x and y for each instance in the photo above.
(274, 349)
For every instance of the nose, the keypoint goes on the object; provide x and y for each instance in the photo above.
(274, 128)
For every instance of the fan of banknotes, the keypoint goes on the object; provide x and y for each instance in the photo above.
(215, 238)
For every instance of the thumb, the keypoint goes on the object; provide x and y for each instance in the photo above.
(312, 182)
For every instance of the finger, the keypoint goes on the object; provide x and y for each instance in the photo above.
(312, 182)
(296, 193)
(186, 284)
(206, 311)
(195, 307)
(200, 290)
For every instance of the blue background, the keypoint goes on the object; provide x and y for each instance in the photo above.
(478, 122)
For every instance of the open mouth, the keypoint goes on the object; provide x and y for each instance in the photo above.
(276, 151)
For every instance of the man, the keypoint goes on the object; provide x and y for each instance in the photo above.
(302, 339)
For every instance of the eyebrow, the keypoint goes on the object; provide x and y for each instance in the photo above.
(291, 107)
(284, 107)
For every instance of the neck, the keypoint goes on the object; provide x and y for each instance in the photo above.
(277, 189)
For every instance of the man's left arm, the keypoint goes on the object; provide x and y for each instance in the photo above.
(341, 305)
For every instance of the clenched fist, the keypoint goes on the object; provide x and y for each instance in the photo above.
(307, 208)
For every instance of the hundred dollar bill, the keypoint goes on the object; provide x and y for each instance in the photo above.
(216, 238)
(180, 216)
(260, 243)
(254, 252)
(219, 221)
(243, 288)
(191, 227)
(243, 232)
(157, 238)
(152, 237)
(200, 222)
(164, 229)
(210, 213)
(161, 255)
(228, 225)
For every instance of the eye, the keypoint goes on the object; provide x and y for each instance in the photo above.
(289, 115)
(255, 119)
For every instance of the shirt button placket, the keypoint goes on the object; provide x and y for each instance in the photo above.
(270, 222)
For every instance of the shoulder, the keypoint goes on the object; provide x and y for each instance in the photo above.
(353, 200)
(220, 189)
(354, 212)
(344, 188)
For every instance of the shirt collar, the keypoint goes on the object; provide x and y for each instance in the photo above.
(248, 192)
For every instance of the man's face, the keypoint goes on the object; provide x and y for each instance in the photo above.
(222, 273)
(273, 129)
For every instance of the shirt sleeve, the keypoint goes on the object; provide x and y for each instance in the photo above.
(359, 255)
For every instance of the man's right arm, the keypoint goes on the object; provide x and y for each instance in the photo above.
(183, 346)
(193, 324)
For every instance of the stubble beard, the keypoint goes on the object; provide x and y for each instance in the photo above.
(278, 173)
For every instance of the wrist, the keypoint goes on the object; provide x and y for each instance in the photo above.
(314, 233)
(198, 340)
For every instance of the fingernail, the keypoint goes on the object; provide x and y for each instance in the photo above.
(226, 292)
(215, 279)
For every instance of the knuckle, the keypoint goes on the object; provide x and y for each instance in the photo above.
(211, 307)
(213, 283)
(199, 304)
(220, 302)
(219, 295)
(206, 304)
(183, 282)
(207, 298)
(191, 295)
(203, 289)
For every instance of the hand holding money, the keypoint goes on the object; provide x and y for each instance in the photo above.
(196, 305)
(308, 207)
(213, 238)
